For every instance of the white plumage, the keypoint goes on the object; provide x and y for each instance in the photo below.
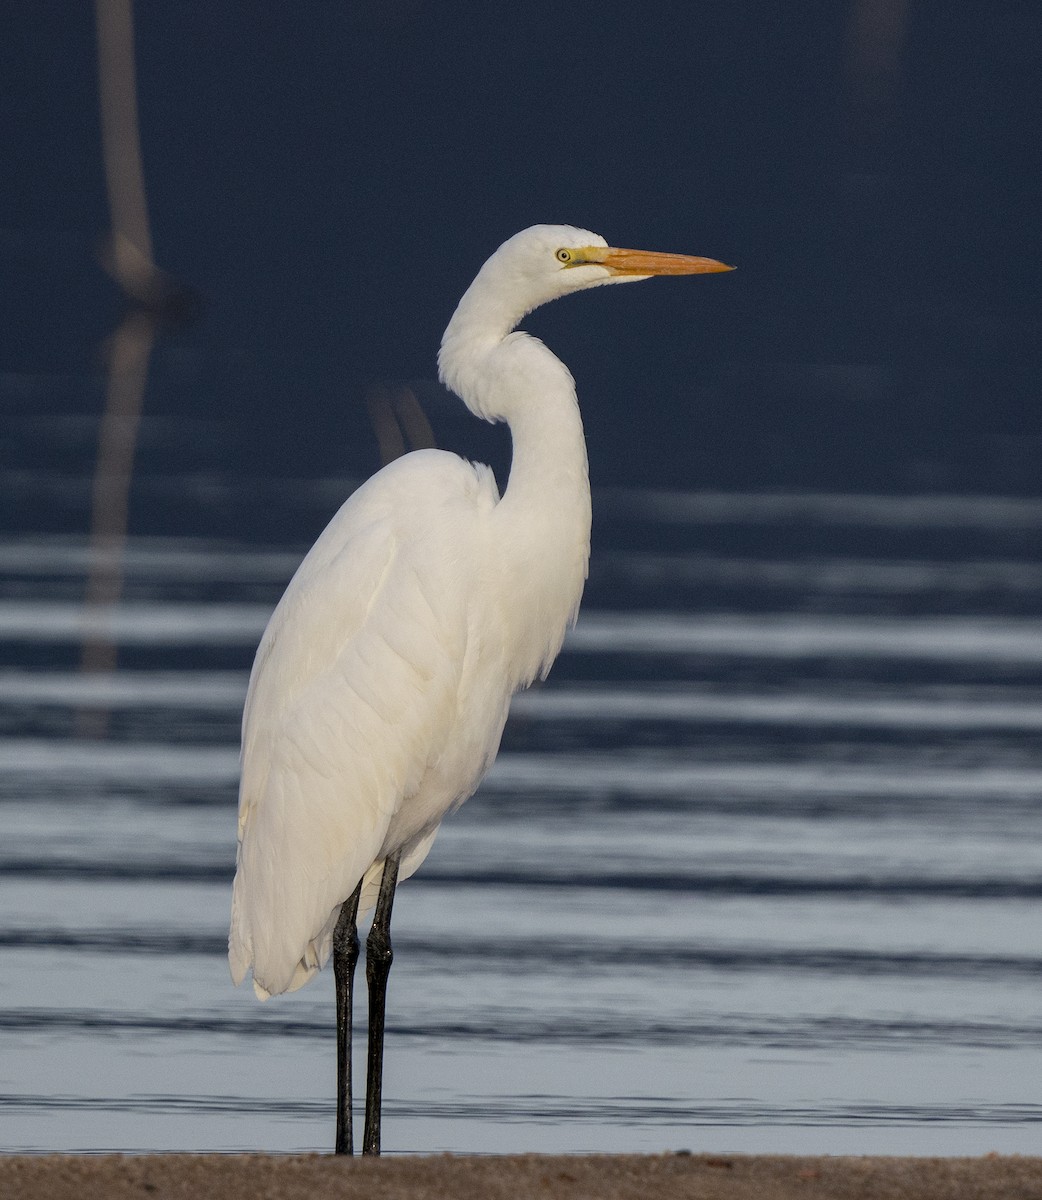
(381, 686)
(376, 704)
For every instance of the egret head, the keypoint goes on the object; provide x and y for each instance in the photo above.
(546, 261)
(531, 268)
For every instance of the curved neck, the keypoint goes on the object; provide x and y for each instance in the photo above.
(542, 523)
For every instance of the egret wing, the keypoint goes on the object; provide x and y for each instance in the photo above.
(353, 693)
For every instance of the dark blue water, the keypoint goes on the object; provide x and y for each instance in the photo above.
(759, 868)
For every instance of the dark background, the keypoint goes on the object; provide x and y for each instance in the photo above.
(327, 177)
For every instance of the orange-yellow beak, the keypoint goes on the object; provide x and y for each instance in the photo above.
(650, 262)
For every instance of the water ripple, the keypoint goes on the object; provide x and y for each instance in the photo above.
(573, 878)
(549, 954)
(566, 1027)
(536, 1108)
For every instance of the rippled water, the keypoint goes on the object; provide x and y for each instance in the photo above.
(759, 868)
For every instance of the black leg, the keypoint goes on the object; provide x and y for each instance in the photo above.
(378, 956)
(345, 955)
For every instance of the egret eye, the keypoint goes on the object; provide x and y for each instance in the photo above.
(564, 256)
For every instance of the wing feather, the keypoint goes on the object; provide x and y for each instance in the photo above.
(354, 691)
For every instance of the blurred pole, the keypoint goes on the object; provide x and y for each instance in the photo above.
(875, 62)
(121, 146)
(128, 257)
(877, 33)
(397, 418)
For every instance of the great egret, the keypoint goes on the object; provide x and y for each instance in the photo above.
(381, 685)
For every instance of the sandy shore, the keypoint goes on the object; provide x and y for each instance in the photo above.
(596, 1177)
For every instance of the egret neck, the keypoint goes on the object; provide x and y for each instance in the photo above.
(544, 515)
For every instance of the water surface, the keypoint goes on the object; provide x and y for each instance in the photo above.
(759, 868)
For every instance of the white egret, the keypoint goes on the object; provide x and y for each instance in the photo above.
(381, 685)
